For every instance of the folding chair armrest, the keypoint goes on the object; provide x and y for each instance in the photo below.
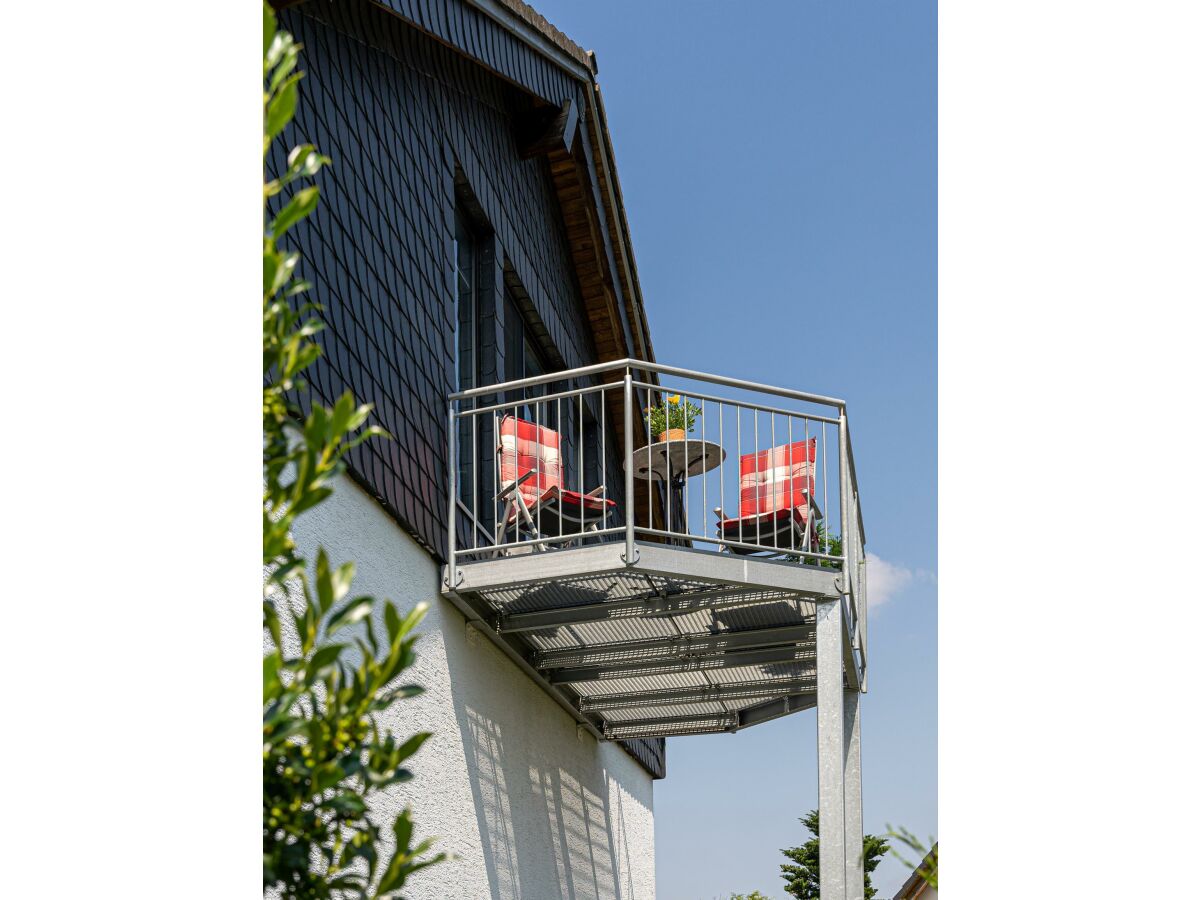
(512, 487)
(812, 505)
(595, 492)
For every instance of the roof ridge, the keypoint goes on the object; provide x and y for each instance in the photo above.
(536, 20)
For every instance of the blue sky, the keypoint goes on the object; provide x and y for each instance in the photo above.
(779, 167)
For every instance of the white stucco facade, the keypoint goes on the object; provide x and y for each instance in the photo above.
(531, 807)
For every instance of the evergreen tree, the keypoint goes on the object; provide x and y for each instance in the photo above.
(803, 879)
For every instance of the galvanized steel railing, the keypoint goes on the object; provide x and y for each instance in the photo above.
(602, 415)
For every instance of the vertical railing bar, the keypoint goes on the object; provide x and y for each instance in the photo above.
(791, 488)
(629, 504)
(703, 474)
(518, 408)
(537, 478)
(825, 482)
(844, 506)
(451, 527)
(670, 487)
(582, 483)
(741, 518)
(757, 482)
(720, 474)
(774, 478)
(809, 487)
(649, 472)
(650, 486)
(564, 436)
(497, 442)
(604, 465)
(475, 477)
(684, 474)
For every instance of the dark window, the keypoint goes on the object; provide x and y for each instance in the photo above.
(466, 342)
(466, 302)
(524, 359)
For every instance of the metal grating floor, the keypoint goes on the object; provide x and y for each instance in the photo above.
(681, 642)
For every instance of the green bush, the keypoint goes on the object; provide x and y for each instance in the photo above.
(323, 752)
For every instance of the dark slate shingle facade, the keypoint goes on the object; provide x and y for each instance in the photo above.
(403, 117)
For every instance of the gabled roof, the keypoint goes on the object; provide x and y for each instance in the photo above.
(540, 23)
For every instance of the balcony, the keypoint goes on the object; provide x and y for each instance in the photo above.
(656, 584)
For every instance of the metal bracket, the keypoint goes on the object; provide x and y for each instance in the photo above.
(636, 557)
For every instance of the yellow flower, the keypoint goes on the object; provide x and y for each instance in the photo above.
(674, 400)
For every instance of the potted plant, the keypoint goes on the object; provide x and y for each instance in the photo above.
(673, 419)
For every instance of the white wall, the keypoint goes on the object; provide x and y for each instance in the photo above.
(531, 808)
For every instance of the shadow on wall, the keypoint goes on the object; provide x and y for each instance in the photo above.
(542, 796)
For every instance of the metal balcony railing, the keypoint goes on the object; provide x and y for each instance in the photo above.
(577, 458)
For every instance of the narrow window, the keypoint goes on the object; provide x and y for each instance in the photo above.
(466, 303)
(466, 365)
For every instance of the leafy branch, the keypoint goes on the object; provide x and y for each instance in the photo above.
(324, 752)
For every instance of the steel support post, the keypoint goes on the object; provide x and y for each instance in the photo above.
(852, 748)
(831, 759)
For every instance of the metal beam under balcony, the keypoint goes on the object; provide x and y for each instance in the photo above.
(652, 605)
(679, 647)
(708, 693)
(733, 660)
(710, 723)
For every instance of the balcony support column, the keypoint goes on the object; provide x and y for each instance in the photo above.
(831, 754)
(851, 718)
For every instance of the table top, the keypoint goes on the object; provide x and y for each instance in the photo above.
(667, 459)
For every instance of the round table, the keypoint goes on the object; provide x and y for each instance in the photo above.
(675, 460)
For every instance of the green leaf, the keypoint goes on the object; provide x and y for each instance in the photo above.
(323, 660)
(271, 261)
(268, 28)
(282, 107)
(305, 161)
(301, 204)
(402, 829)
(283, 272)
(345, 803)
(281, 45)
(271, 683)
(325, 598)
(382, 701)
(271, 621)
(285, 67)
(409, 622)
(411, 746)
(308, 625)
(354, 611)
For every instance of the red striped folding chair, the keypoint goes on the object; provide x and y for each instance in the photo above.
(531, 486)
(777, 508)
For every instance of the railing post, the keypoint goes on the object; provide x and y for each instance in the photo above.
(844, 489)
(630, 558)
(863, 588)
(451, 509)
